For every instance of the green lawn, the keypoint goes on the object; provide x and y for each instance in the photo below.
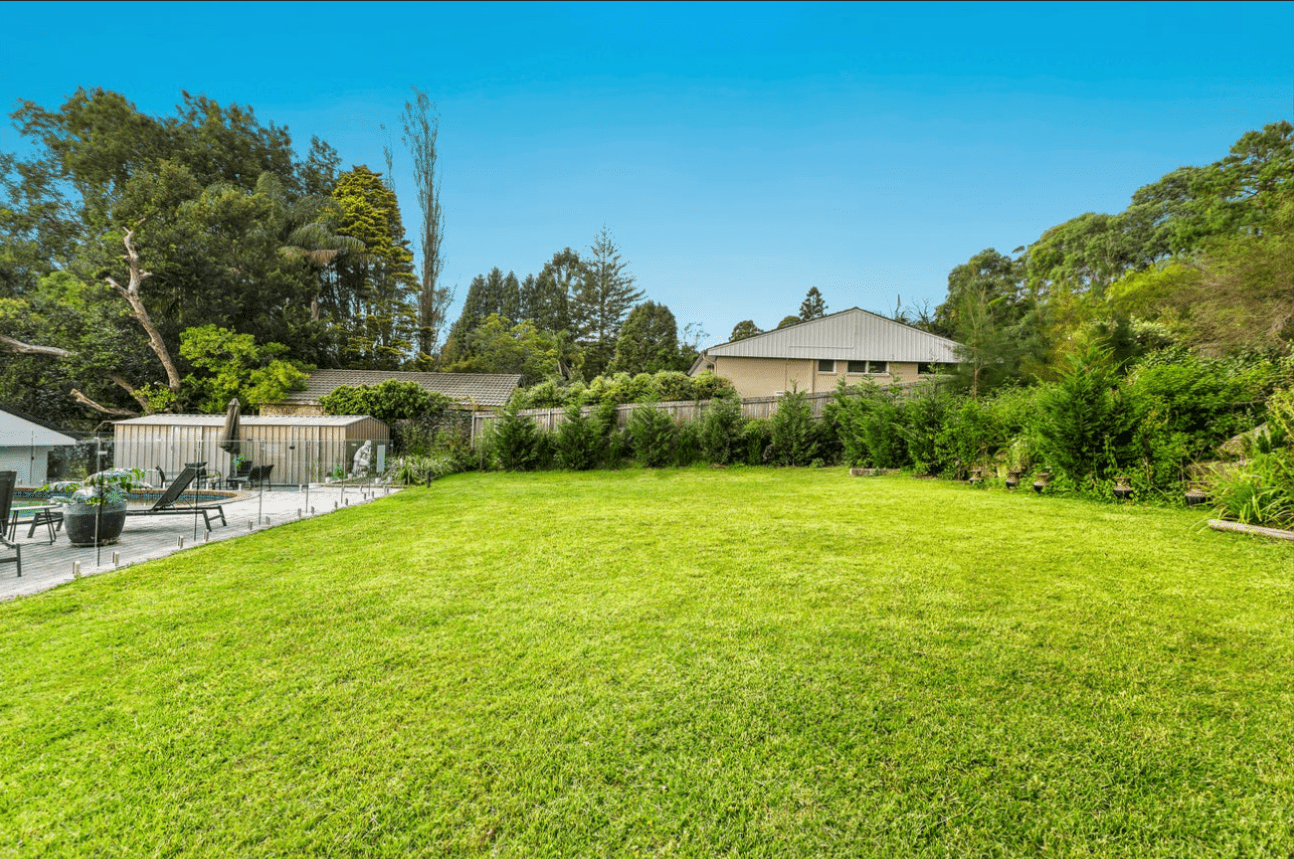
(676, 663)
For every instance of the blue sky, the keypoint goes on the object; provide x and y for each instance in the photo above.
(738, 153)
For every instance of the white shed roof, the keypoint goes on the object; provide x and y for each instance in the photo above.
(245, 420)
(850, 335)
(17, 430)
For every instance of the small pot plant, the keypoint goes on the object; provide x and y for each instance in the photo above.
(98, 508)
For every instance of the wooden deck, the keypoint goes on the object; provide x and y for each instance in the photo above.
(46, 565)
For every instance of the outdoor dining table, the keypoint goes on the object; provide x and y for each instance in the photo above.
(51, 516)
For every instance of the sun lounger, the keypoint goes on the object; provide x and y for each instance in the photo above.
(165, 505)
(7, 481)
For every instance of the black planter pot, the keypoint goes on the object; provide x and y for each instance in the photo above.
(79, 522)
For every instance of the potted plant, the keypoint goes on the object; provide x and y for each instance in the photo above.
(99, 507)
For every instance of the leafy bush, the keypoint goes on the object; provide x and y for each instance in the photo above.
(868, 421)
(687, 444)
(652, 434)
(413, 469)
(579, 441)
(390, 401)
(1083, 424)
(515, 442)
(620, 388)
(757, 441)
(1261, 490)
(925, 416)
(720, 428)
(792, 431)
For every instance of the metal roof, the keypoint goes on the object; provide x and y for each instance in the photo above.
(850, 335)
(22, 430)
(483, 389)
(245, 420)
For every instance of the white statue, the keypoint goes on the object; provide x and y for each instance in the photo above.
(363, 459)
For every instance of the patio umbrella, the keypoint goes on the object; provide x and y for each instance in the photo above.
(231, 444)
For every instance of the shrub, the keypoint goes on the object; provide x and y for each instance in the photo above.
(652, 435)
(720, 428)
(687, 444)
(579, 441)
(412, 470)
(756, 441)
(515, 442)
(925, 417)
(792, 432)
(1083, 425)
(868, 421)
(390, 401)
(1261, 491)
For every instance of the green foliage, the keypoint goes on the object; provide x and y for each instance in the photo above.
(743, 329)
(793, 442)
(604, 294)
(813, 307)
(868, 421)
(1260, 491)
(498, 346)
(665, 386)
(389, 401)
(757, 441)
(926, 415)
(232, 365)
(579, 441)
(419, 469)
(515, 442)
(720, 429)
(1084, 425)
(648, 341)
(652, 435)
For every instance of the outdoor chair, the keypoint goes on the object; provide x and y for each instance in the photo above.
(7, 481)
(240, 476)
(165, 505)
(202, 471)
(161, 476)
(260, 474)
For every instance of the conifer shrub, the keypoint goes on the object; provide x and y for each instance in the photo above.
(652, 436)
(792, 431)
(579, 441)
(515, 443)
(721, 426)
(687, 444)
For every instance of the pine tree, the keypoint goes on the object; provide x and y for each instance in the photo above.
(604, 294)
(813, 307)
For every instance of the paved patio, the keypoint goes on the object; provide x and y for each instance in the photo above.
(46, 565)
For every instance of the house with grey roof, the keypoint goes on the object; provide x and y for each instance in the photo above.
(813, 356)
(471, 391)
(25, 445)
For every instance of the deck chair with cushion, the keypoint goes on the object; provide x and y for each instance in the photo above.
(165, 505)
(7, 481)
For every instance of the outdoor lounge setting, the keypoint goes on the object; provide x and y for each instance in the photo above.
(166, 504)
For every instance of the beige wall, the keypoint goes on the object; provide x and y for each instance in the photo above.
(761, 377)
(279, 410)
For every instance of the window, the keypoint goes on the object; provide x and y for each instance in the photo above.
(931, 368)
(857, 367)
(826, 366)
(877, 367)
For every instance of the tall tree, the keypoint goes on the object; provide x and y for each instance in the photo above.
(648, 341)
(377, 287)
(813, 307)
(603, 297)
(743, 329)
(421, 128)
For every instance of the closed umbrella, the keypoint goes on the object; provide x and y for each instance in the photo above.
(231, 443)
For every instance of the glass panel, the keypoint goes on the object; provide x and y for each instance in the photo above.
(857, 366)
(878, 366)
(826, 366)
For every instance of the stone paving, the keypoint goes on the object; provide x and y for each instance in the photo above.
(46, 565)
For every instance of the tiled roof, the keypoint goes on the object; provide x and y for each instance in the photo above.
(483, 389)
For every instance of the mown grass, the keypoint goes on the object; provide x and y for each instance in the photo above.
(677, 663)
